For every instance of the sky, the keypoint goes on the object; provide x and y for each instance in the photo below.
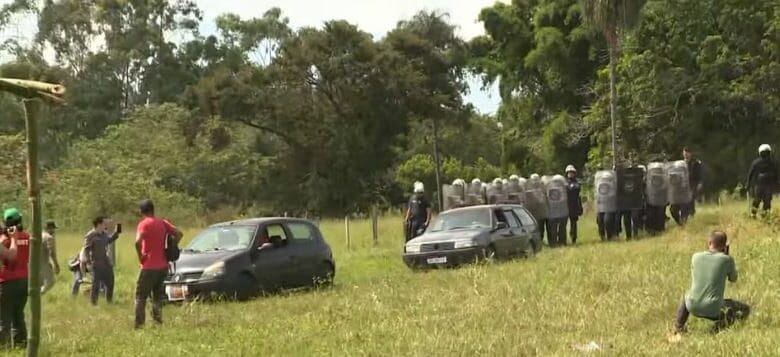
(373, 16)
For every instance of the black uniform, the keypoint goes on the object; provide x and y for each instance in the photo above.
(694, 178)
(418, 210)
(575, 207)
(762, 181)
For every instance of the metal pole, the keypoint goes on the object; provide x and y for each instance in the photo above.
(612, 100)
(31, 110)
(374, 226)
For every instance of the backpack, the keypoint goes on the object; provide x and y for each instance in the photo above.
(172, 250)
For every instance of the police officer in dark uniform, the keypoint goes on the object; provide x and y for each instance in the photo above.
(574, 200)
(694, 177)
(418, 213)
(762, 179)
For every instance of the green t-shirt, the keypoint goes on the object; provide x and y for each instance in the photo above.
(709, 271)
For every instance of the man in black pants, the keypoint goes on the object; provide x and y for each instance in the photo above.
(762, 180)
(96, 244)
(574, 200)
(695, 178)
(418, 214)
(150, 240)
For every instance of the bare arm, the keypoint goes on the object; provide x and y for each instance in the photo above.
(138, 247)
(10, 252)
(428, 217)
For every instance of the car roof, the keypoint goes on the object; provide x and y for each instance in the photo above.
(477, 207)
(260, 220)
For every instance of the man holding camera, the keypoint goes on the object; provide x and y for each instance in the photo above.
(709, 271)
(96, 243)
(15, 254)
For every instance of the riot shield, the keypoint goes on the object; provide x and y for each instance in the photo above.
(630, 195)
(557, 203)
(495, 194)
(453, 196)
(679, 186)
(606, 191)
(514, 192)
(657, 184)
(475, 194)
(536, 199)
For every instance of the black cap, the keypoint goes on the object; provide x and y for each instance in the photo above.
(146, 206)
(51, 225)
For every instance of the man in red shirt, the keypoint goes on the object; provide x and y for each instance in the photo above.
(13, 280)
(150, 246)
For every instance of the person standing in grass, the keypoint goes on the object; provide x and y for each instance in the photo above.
(709, 271)
(574, 201)
(150, 247)
(49, 265)
(418, 213)
(13, 280)
(96, 244)
(762, 180)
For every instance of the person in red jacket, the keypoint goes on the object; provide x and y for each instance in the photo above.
(13, 280)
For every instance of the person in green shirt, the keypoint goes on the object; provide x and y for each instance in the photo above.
(709, 271)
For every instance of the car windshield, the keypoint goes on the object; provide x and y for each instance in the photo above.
(222, 238)
(470, 218)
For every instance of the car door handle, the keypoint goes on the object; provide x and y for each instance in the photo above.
(508, 234)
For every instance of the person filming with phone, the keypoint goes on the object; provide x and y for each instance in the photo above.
(709, 271)
(96, 243)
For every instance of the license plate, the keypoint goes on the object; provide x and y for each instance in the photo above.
(176, 292)
(439, 260)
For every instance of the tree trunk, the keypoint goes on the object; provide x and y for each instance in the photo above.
(437, 164)
(32, 109)
(613, 92)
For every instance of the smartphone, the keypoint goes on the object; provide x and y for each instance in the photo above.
(119, 227)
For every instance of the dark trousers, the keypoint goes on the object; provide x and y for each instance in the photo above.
(607, 225)
(573, 228)
(631, 222)
(732, 311)
(13, 298)
(556, 231)
(655, 221)
(680, 213)
(761, 195)
(150, 284)
(413, 229)
(102, 276)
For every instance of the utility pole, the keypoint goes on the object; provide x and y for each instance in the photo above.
(32, 93)
(437, 163)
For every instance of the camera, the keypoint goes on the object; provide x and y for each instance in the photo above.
(726, 250)
(119, 227)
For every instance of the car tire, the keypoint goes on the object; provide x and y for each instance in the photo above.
(325, 275)
(536, 247)
(489, 254)
(246, 287)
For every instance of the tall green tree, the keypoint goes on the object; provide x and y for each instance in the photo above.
(611, 18)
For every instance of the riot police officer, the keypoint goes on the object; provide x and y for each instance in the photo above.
(574, 200)
(762, 179)
(418, 213)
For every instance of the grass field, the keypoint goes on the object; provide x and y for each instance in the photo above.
(621, 295)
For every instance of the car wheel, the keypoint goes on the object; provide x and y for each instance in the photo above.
(536, 247)
(325, 275)
(246, 287)
(489, 254)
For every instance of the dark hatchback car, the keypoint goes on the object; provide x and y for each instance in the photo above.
(244, 258)
(476, 233)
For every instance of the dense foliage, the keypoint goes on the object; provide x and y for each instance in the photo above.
(261, 118)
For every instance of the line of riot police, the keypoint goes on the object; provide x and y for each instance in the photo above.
(545, 197)
(627, 200)
(635, 199)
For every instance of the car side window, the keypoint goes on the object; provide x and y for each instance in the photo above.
(301, 232)
(276, 234)
(514, 222)
(525, 218)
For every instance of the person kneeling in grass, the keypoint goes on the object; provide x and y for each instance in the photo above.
(709, 271)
